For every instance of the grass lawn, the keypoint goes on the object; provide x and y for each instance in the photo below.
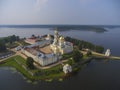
(51, 73)
(11, 62)
(55, 72)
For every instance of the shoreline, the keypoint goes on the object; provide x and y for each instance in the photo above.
(58, 77)
(35, 78)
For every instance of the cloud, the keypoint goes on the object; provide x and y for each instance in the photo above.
(39, 4)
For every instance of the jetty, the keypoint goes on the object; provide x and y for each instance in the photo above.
(99, 55)
(96, 55)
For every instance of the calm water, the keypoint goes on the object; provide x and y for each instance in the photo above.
(109, 39)
(97, 75)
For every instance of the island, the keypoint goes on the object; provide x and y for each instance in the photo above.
(93, 28)
(97, 29)
(48, 57)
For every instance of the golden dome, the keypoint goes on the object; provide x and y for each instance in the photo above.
(48, 35)
(56, 49)
(56, 32)
(61, 38)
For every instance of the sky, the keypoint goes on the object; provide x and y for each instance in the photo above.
(73, 12)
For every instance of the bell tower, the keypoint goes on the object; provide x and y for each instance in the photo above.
(56, 37)
(61, 41)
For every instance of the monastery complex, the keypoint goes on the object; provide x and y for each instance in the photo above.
(47, 50)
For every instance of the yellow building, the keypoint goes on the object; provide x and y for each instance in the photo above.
(61, 45)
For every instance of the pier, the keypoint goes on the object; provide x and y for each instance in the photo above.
(99, 55)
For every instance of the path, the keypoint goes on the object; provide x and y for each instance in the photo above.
(102, 55)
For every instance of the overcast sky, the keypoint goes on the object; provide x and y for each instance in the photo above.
(100, 12)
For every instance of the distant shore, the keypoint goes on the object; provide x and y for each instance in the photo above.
(95, 28)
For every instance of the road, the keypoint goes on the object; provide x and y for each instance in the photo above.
(19, 53)
(7, 58)
(16, 53)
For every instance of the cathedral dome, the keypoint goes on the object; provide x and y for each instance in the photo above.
(56, 32)
(48, 37)
(61, 39)
(56, 50)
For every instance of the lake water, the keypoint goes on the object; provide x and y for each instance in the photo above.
(97, 75)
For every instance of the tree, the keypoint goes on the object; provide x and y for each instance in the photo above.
(89, 53)
(71, 62)
(2, 47)
(17, 38)
(83, 44)
(29, 63)
(80, 46)
(33, 36)
(99, 49)
(77, 55)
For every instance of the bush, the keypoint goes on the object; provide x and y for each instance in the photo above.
(77, 56)
(89, 53)
(29, 63)
(83, 44)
